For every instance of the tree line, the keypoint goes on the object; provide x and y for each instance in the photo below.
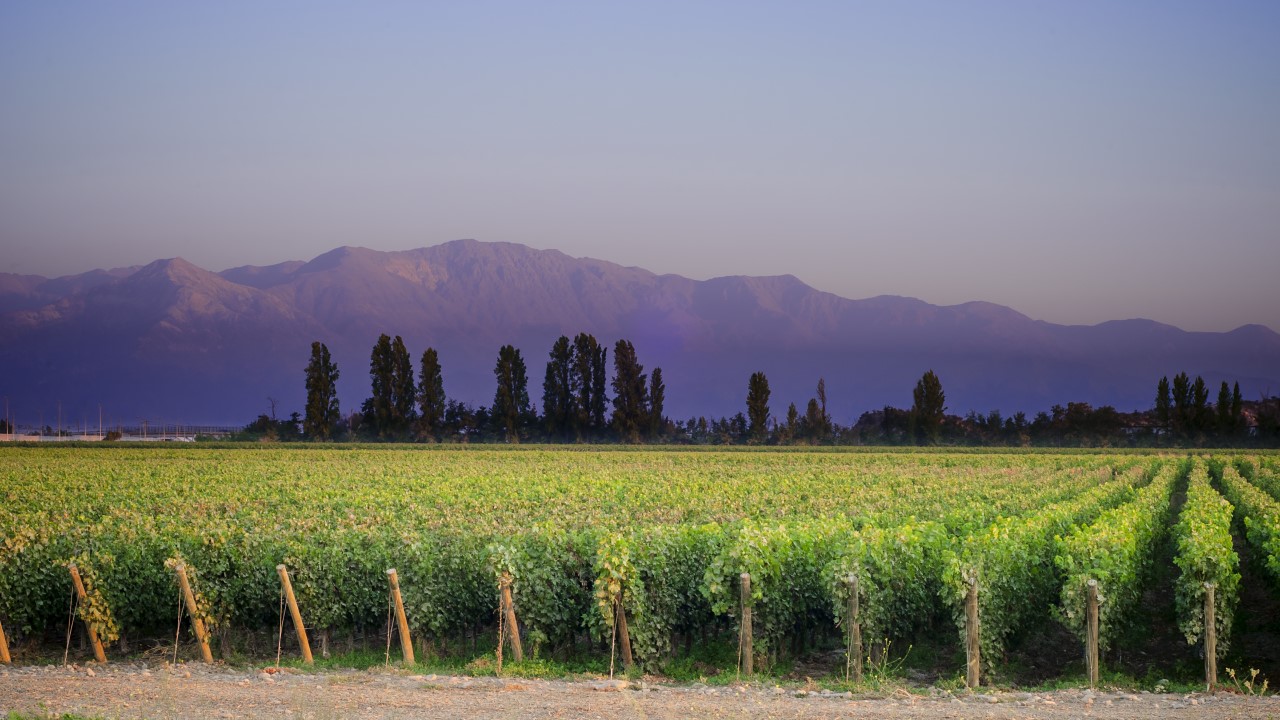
(580, 404)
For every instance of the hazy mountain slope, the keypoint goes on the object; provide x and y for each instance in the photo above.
(171, 340)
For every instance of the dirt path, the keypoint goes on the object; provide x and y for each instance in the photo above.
(193, 691)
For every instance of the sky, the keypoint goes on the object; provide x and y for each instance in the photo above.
(1077, 161)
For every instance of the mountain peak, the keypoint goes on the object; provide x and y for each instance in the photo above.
(223, 341)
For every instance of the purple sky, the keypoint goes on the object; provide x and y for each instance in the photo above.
(1077, 161)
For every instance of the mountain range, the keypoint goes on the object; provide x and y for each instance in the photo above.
(172, 342)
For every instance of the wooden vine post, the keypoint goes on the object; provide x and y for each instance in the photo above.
(98, 653)
(746, 645)
(508, 611)
(973, 637)
(4, 647)
(854, 650)
(623, 634)
(406, 643)
(1091, 643)
(1210, 638)
(196, 622)
(295, 613)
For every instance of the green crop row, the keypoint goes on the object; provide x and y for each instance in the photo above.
(1260, 514)
(1012, 561)
(666, 534)
(1205, 556)
(1115, 550)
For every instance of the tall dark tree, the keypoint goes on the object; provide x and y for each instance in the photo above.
(432, 402)
(928, 408)
(390, 410)
(758, 407)
(1164, 404)
(1223, 409)
(322, 395)
(825, 430)
(511, 409)
(599, 383)
(379, 408)
(404, 391)
(1181, 396)
(1237, 411)
(812, 425)
(1201, 415)
(557, 391)
(587, 384)
(657, 397)
(630, 399)
(792, 427)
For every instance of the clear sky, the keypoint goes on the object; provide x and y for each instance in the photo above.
(1078, 161)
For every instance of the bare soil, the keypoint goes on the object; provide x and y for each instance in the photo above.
(134, 690)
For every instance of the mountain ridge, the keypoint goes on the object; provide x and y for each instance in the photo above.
(210, 345)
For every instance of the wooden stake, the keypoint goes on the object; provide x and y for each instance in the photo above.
(406, 643)
(622, 631)
(973, 638)
(854, 650)
(4, 647)
(196, 622)
(98, 653)
(509, 613)
(297, 616)
(1210, 638)
(1091, 643)
(746, 645)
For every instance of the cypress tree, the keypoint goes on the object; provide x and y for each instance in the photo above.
(510, 409)
(1164, 403)
(630, 399)
(404, 392)
(657, 396)
(557, 391)
(1223, 408)
(928, 408)
(322, 414)
(432, 402)
(758, 407)
(379, 408)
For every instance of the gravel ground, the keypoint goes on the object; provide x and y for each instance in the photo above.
(197, 691)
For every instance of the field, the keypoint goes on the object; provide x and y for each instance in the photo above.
(903, 546)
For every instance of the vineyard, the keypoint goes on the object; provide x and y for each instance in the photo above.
(778, 551)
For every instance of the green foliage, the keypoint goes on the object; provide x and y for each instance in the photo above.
(1012, 562)
(673, 529)
(94, 609)
(1205, 555)
(898, 570)
(552, 576)
(785, 567)
(1116, 550)
(1260, 514)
